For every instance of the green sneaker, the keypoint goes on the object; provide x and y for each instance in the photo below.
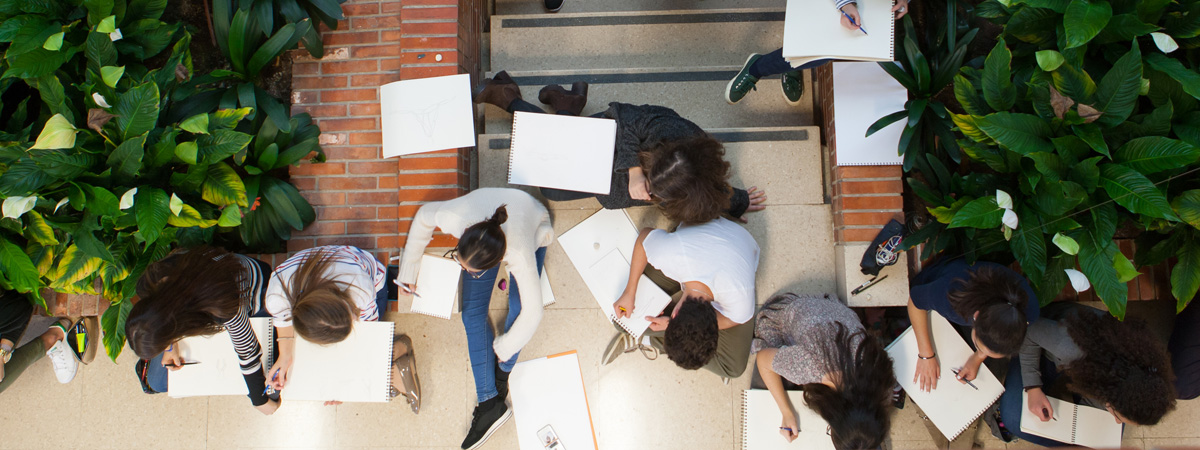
(743, 82)
(793, 87)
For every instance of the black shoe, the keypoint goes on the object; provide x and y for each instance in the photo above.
(487, 418)
(553, 5)
(501, 383)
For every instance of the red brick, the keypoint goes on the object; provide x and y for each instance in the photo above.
(364, 242)
(428, 42)
(357, 38)
(360, 23)
(388, 241)
(404, 225)
(372, 227)
(388, 182)
(372, 198)
(373, 80)
(891, 202)
(323, 229)
(870, 218)
(427, 57)
(411, 163)
(355, 153)
(364, 109)
(91, 306)
(859, 234)
(389, 65)
(373, 167)
(347, 183)
(320, 110)
(868, 172)
(427, 195)
(443, 240)
(870, 187)
(428, 179)
(412, 73)
(326, 168)
(408, 14)
(321, 82)
(324, 198)
(305, 68)
(375, 51)
(359, 66)
(347, 124)
(360, 9)
(364, 138)
(421, 28)
(296, 244)
(390, 36)
(304, 97)
(430, 2)
(345, 213)
(393, 212)
(304, 183)
(350, 95)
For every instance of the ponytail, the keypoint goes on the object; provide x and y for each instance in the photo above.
(1000, 300)
(482, 245)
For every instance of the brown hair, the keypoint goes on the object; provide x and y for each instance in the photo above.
(689, 179)
(322, 310)
(482, 245)
(859, 408)
(690, 339)
(1123, 364)
(188, 293)
(1000, 300)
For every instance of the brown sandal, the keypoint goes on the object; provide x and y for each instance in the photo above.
(404, 368)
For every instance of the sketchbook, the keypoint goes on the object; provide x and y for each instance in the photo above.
(219, 371)
(864, 93)
(437, 286)
(549, 402)
(562, 152)
(358, 369)
(1074, 424)
(953, 406)
(426, 115)
(813, 30)
(761, 418)
(547, 292)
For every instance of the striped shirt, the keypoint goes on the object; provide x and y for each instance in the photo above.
(253, 289)
(358, 269)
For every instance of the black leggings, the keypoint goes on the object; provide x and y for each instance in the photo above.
(555, 195)
(15, 311)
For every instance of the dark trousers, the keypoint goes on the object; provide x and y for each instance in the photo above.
(1185, 352)
(555, 195)
(774, 64)
(15, 311)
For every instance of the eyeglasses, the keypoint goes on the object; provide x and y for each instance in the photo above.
(453, 253)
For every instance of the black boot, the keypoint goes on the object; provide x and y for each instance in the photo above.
(563, 101)
(552, 5)
(501, 382)
(488, 417)
(499, 90)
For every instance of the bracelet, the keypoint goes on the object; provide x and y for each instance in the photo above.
(931, 357)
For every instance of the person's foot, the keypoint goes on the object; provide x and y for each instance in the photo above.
(487, 418)
(743, 82)
(793, 87)
(500, 90)
(501, 382)
(404, 370)
(571, 102)
(552, 5)
(61, 356)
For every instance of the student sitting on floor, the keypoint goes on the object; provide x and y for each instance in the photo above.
(995, 302)
(25, 337)
(709, 270)
(684, 152)
(819, 343)
(1118, 366)
(493, 225)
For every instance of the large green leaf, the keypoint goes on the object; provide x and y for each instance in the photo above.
(1134, 191)
(1125, 270)
(1029, 247)
(152, 207)
(137, 110)
(275, 110)
(1175, 69)
(1185, 277)
(220, 144)
(53, 95)
(1084, 19)
(979, 213)
(74, 266)
(126, 160)
(1123, 28)
(880, 124)
(1096, 261)
(276, 193)
(1021, 133)
(222, 186)
(1117, 92)
(1187, 206)
(1033, 25)
(38, 230)
(113, 324)
(189, 217)
(65, 164)
(17, 267)
(1091, 134)
(969, 97)
(57, 133)
(998, 89)
(284, 38)
(1074, 83)
(1155, 154)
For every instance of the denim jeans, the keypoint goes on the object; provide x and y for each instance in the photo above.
(476, 297)
(774, 64)
(1012, 401)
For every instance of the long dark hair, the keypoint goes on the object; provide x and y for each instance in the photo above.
(858, 408)
(323, 311)
(689, 179)
(1123, 365)
(482, 245)
(1000, 301)
(188, 293)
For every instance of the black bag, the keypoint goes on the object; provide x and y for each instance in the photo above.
(884, 250)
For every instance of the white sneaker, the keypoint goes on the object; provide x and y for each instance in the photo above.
(64, 362)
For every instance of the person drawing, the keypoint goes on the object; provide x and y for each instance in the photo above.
(817, 342)
(709, 270)
(493, 225)
(758, 66)
(996, 303)
(26, 337)
(318, 294)
(683, 151)
(1107, 364)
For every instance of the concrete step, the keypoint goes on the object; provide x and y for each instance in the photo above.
(658, 39)
(697, 94)
(783, 161)
(508, 7)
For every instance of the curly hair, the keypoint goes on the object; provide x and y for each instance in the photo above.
(1000, 301)
(858, 408)
(187, 293)
(689, 179)
(1122, 365)
(691, 336)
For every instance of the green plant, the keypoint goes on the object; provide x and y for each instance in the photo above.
(1080, 158)
(272, 14)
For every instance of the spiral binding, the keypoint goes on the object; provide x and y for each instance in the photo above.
(269, 347)
(512, 145)
(388, 368)
(745, 420)
(1074, 424)
(621, 323)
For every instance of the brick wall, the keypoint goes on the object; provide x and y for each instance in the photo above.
(864, 198)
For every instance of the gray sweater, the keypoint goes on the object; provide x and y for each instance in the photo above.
(1049, 338)
(641, 128)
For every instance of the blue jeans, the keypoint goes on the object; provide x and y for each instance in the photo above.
(1011, 402)
(774, 64)
(476, 296)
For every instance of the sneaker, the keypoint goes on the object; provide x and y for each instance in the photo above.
(793, 87)
(63, 359)
(552, 5)
(743, 82)
(487, 418)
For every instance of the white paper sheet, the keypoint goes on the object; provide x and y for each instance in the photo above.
(426, 115)
(1075, 424)
(547, 292)
(599, 234)
(550, 391)
(607, 279)
(219, 371)
(358, 369)
(437, 285)
(562, 152)
(761, 419)
(863, 93)
(812, 29)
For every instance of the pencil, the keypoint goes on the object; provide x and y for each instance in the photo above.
(851, 19)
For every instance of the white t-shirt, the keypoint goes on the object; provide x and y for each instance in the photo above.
(351, 265)
(721, 254)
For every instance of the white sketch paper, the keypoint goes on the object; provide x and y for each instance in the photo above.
(562, 152)
(427, 115)
(863, 93)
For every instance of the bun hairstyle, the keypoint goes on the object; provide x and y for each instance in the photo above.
(322, 310)
(482, 245)
(1000, 301)
(859, 408)
(689, 179)
(1123, 364)
(187, 293)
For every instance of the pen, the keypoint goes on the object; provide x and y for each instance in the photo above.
(789, 430)
(270, 388)
(851, 19)
(1047, 412)
(972, 385)
(184, 364)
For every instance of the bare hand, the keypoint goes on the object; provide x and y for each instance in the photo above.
(757, 198)
(900, 9)
(969, 370)
(278, 375)
(172, 359)
(407, 288)
(623, 307)
(639, 186)
(928, 372)
(268, 408)
(852, 11)
(792, 428)
(1039, 405)
(658, 323)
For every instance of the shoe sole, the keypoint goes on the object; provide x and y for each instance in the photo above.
(495, 426)
(729, 85)
(785, 97)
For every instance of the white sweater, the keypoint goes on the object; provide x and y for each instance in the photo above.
(527, 229)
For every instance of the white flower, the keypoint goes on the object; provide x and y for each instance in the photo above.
(1010, 219)
(115, 35)
(1079, 281)
(100, 101)
(15, 207)
(62, 202)
(127, 198)
(1004, 200)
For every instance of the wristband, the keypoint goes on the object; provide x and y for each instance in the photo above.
(931, 357)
